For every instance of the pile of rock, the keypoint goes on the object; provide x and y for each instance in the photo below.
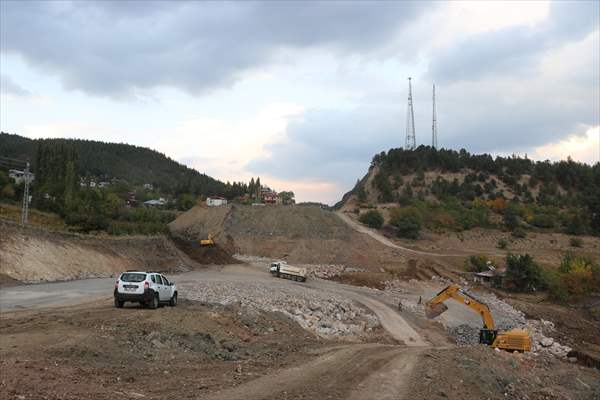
(543, 344)
(465, 335)
(329, 271)
(325, 314)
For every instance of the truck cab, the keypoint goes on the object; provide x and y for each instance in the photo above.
(276, 267)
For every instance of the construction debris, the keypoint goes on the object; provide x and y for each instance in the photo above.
(325, 314)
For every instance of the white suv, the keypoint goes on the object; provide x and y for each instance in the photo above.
(147, 288)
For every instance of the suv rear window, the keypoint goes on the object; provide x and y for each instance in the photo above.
(133, 277)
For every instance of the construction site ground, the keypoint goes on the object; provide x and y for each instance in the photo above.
(239, 333)
(91, 350)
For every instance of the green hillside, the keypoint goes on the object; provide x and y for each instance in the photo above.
(136, 165)
(456, 190)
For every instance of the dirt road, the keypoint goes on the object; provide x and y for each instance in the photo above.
(369, 371)
(382, 239)
(359, 371)
(74, 292)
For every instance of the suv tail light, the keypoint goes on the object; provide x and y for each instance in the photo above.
(117, 284)
(146, 285)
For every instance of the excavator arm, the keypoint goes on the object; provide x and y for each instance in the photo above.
(515, 339)
(435, 306)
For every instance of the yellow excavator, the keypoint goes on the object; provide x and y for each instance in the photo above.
(515, 339)
(210, 241)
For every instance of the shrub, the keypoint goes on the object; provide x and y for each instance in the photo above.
(477, 263)
(523, 273)
(362, 194)
(502, 244)
(372, 219)
(408, 222)
(576, 225)
(576, 242)
(511, 219)
(575, 277)
(519, 233)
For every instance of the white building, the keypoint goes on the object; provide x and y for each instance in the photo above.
(216, 201)
(155, 203)
(19, 176)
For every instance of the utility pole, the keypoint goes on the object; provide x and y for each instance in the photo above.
(25, 211)
(434, 141)
(411, 141)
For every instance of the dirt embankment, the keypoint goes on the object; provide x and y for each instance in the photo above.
(299, 234)
(36, 255)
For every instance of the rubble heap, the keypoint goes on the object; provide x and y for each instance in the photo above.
(326, 314)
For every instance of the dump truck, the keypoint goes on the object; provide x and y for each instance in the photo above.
(281, 269)
(515, 339)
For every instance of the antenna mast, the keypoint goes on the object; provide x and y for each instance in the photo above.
(410, 121)
(434, 139)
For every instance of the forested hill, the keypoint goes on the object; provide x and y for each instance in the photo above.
(447, 186)
(134, 164)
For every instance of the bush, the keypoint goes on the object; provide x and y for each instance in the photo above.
(502, 244)
(477, 263)
(576, 242)
(575, 225)
(519, 233)
(523, 273)
(372, 219)
(408, 222)
(575, 278)
(511, 220)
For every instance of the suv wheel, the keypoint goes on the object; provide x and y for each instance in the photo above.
(118, 303)
(154, 302)
(173, 301)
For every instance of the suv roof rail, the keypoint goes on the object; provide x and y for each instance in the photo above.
(133, 270)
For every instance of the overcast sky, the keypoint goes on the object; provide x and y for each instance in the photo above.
(303, 94)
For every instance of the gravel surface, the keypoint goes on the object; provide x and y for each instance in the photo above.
(327, 315)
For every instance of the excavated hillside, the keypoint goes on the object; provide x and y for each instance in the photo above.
(36, 255)
(302, 234)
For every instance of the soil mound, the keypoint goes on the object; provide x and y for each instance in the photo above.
(216, 254)
(301, 234)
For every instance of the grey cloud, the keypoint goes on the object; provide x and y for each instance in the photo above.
(121, 48)
(515, 49)
(8, 86)
(332, 145)
(337, 146)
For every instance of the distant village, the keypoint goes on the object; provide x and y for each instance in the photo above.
(266, 196)
(139, 196)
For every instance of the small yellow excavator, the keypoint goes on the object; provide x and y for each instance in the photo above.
(210, 241)
(515, 339)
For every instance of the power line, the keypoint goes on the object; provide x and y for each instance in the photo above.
(25, 210)
(434, 134)
(411, 141)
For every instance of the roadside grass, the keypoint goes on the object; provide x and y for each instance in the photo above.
(12, 212)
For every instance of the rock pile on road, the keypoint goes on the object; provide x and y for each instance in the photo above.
(326, 314)
(329, 271)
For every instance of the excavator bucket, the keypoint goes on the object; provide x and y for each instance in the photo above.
(433, 311)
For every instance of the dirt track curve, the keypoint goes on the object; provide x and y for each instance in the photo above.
(382, 239)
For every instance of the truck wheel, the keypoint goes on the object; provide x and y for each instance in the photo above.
(118, 303)
(154, 302)
(173, 301)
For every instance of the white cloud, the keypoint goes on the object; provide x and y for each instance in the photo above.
(583, 148)
(221, 147)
